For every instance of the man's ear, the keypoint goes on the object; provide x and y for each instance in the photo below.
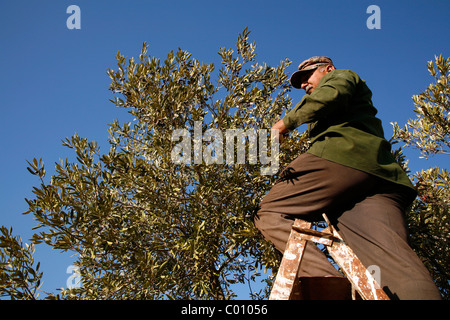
(330, 67)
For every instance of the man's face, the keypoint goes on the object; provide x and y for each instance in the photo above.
(311, 80)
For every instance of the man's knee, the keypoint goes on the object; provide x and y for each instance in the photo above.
(275, 227)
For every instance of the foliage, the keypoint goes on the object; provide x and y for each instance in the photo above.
(430, 131)
(146, 227)
(429, 224)
(429, 219)
(19, 277)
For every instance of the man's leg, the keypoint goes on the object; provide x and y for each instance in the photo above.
(372, 223)
(375, 229)
(309, 187)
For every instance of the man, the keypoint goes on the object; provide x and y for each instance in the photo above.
(348, 173)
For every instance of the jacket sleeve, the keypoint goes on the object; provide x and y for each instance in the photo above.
(331, 98)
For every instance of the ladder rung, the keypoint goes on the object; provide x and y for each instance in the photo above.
(325, 238)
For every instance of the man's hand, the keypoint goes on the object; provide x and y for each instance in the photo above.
(282, 130)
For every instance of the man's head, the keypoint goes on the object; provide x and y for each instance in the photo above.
(310, 72)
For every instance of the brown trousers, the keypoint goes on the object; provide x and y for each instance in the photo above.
(367, 211)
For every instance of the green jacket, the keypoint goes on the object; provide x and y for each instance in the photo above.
(343, 127)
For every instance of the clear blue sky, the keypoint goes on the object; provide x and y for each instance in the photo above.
(54, 80)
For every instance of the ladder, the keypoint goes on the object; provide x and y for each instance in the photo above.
(287, 285)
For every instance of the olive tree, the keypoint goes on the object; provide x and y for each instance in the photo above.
(167, 212)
